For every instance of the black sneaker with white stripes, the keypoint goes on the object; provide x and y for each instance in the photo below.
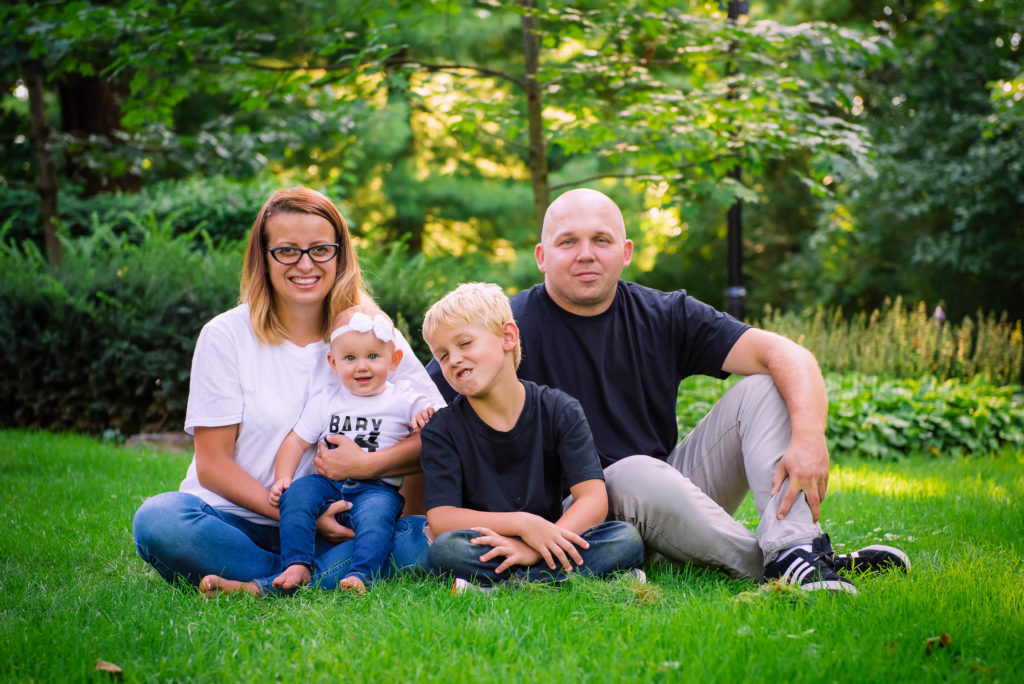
(875, 558)
(809, 570)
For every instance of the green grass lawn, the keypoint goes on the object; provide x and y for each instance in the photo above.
(73, 590)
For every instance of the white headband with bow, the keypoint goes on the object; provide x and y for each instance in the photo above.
(380, 325)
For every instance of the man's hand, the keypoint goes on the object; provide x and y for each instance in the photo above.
(805, 463)
(555, 544)
(341, 462)
(514, 551)
(281, 484)
(329, 528)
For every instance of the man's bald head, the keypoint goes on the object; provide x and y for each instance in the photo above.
(582, 202)
(583, 250)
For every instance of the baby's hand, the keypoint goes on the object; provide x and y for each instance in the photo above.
(278, 489)
(421, 418)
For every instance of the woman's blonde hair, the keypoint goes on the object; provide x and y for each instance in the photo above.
(256, 290)
(481, 303)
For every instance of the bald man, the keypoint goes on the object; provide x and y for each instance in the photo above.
(622, 349)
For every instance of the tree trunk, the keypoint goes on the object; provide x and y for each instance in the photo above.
(47, 186)
(538, 154)
(89, 107)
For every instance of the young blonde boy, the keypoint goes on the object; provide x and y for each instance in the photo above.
(498, 459)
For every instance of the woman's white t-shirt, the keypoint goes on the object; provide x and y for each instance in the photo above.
(262, 388)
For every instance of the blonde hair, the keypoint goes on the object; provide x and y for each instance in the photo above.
(256, 290)
(481, 303)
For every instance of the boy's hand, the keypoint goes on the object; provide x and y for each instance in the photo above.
(514, 551)
(555, 544)
(277, 490)
(421, 418)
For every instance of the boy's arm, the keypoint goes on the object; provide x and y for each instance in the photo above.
(589, 506)
(555, 544)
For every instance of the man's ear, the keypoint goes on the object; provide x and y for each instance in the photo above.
(396, 359)
(628, 251)
(538, 254)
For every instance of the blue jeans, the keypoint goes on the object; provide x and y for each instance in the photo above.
(182, 536)
(375, 510)
(614, 545)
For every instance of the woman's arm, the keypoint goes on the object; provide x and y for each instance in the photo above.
(349, 461)
(218, 471)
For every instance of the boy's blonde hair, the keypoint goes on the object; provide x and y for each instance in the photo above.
(481, 303)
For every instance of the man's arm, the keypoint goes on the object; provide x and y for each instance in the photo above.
(796, 375)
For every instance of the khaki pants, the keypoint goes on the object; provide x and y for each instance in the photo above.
(683, 507)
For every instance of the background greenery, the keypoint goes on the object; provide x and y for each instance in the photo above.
(879, 143)
(73, 590)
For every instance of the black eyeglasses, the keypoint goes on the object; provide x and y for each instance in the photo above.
(292, 255)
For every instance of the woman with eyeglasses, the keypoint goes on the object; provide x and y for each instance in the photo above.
(253, 370)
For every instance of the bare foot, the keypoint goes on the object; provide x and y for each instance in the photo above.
(352, 583)
(214, 585)
(295, 575)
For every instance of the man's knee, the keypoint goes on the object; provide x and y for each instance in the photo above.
(635, 482)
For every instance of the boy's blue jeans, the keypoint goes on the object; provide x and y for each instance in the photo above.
(375, 510)
(184, 537)
(614, 545)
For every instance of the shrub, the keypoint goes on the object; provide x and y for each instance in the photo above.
(898, 342)
(105, 342)
(221, 208)
(406, 285)
(889, 418)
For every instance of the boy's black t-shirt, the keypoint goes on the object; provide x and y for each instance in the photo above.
(469, 464)
(625, 365)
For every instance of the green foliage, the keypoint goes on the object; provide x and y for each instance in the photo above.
(943, 218)
(214, 207)
(895, 341)
(883, 418)
(105, 342)
(405, 285)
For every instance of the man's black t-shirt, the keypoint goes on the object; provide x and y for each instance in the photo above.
(623, 365)
(469, 464)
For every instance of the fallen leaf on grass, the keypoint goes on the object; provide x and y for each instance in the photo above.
(110, 668)
(941, 641)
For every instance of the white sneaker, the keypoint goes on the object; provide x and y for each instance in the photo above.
(461, 586)
(638, 575)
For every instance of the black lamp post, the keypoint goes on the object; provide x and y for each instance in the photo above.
(735, 293)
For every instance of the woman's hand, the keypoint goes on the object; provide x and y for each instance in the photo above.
(555, 544)
(329, 528)
(343, 462)
(514, 551)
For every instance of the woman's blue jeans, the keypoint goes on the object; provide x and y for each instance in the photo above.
(182, 536)
(614, 545)
(376, 506)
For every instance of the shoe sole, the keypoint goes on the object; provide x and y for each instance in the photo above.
(829, 585)
(905, 567)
